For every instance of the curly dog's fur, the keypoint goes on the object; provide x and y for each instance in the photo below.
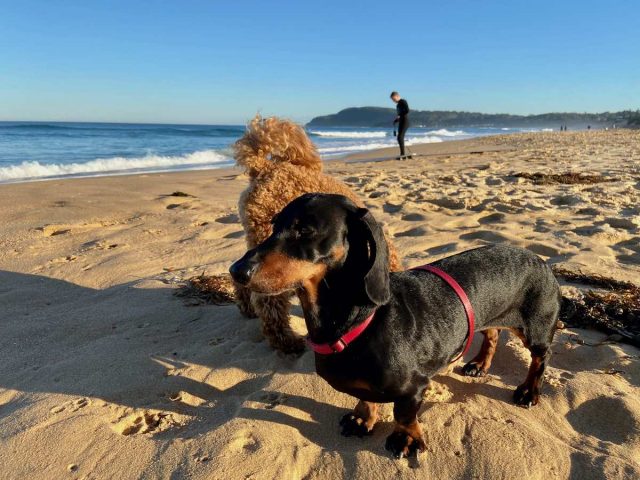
(282, 164)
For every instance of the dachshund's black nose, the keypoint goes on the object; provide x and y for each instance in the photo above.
(242, 270)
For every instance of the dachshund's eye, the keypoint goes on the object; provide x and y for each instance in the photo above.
(304, 231)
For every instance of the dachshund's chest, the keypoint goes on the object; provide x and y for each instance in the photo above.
(359, 382)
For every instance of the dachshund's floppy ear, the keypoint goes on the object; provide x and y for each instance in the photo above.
(376, 272)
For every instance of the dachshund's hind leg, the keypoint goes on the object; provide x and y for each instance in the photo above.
(528, 393)
(479, 366)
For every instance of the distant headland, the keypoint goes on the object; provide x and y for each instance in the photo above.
(382, 117)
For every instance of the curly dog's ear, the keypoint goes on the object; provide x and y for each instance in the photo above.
(367, 235)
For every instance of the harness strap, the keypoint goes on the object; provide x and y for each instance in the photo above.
(468, 309)
(340, 344)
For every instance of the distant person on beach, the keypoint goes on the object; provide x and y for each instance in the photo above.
(402, 119)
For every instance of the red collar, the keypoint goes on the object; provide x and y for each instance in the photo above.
(468, 309)
(340, 344)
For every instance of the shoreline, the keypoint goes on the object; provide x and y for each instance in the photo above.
(447, 147)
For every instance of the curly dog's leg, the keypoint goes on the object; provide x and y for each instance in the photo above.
(274, 313)
(243, 300)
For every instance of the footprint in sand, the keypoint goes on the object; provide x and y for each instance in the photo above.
(566, 200)
(414, 232)
(273, 399)
(629, 259)
(145, 422)
(437, 392)
(237, 234)
(391, 207)
(449, 203)
(542, 249)
(179, 194)
(184, 206)
(486, 235)
(230, 218)
(448, 247)
(53, 230)
(98, 245)
(71, 405)
(67, 259)
(617, 426)
(632, 244)
(493, 218)
(630, 223)
(187, 398)
(414, 217)
(590, 211)
(493, 181)
(244, 440)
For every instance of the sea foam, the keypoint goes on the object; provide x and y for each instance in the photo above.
(104, 166)
(340, 134)
(328, 151)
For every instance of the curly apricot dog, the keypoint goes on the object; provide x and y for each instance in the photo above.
(282, 164)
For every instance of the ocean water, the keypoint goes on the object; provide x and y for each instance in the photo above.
(46, 150)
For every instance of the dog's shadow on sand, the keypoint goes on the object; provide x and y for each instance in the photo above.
(136, 347)
(127, 345)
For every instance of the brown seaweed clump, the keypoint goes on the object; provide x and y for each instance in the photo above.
(208, 289)
(569, 178)
(614, 309)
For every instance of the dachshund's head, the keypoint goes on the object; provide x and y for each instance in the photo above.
(314, 237)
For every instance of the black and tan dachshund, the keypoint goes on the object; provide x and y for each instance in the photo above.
(333, 254)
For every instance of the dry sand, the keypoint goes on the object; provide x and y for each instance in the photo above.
(104, 373)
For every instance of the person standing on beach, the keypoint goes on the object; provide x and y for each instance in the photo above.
(402, 119)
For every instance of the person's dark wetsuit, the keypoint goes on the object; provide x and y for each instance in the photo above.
(402, 108)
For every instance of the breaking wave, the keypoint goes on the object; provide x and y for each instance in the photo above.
(119, 165)
(327, 151)
(338, 134)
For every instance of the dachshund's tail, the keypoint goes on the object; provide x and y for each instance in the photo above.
(273, 140)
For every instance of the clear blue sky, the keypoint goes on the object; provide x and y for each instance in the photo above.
(212, 61)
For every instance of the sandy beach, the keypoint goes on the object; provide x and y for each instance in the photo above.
(105, 373)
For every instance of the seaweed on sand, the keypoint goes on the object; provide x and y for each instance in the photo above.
(614, 309)
(568, 178)
(209, 289)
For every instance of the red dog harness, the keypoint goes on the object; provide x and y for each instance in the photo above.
(468, 309)
(340, 344)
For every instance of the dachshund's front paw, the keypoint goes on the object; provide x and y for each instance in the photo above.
(353, 425)
(401, 444)
(473, 369)
(525, 396)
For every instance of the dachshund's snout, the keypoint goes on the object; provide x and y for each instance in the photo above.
(242, 270)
